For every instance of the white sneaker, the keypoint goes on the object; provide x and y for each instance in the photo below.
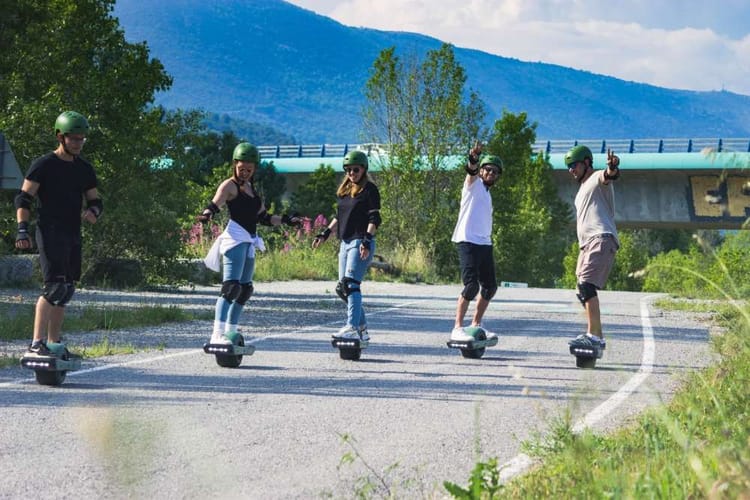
(347, 332)
(363, 335)
(219, 338)
(459, 334)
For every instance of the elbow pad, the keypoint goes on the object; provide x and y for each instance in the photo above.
(23, 200)
(265, 218)
(95, 206)
(374, 218)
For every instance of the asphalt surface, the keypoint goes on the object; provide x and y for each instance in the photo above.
(296, 421)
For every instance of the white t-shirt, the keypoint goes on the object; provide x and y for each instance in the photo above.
(475, 215)
(595, 209)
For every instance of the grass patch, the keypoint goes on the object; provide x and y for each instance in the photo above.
(19, 318)
(105, 348)
(697, 446)
(9, 361)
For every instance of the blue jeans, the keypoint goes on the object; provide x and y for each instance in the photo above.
(237, 266)
(353, 267)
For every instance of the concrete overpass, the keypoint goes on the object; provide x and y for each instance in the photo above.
(665, 183)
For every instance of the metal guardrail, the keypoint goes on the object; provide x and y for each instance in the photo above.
(740, 145)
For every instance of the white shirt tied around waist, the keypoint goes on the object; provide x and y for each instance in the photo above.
(233, 235)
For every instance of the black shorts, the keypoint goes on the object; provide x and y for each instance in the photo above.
(59, 254)
(477, 264)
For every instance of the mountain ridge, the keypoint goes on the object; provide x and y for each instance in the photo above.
(303, 74)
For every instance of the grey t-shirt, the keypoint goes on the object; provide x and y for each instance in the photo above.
(595, 209)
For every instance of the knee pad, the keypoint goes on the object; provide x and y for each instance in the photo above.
(58, 293)
(346, 287)
(246, 290)
(231, 289)
(586, 291)
(488, 293)
(470, 291)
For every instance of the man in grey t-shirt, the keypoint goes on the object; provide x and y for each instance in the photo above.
(597, 234)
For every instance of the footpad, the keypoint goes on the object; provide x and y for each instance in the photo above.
(50, 363)
(229, 349)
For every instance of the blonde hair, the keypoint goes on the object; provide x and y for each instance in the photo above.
(349, 188)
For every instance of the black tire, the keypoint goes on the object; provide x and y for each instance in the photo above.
(44, 377)
(231, 360)
(475, 353)
(350, 354)
(582, 362)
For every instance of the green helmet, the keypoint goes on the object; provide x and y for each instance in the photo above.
(70, 122)
(491, 160)
(576, 154)
(355, 158)
(245, 151)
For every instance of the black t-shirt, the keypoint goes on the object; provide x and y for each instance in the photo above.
(243, 209)
(62, 185)
(353, 212)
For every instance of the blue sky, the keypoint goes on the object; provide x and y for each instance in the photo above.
(682, 44)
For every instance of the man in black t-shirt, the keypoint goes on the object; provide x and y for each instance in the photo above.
(59, 180)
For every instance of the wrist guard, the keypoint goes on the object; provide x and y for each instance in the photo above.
(367, 241)
(472, 167)
(287, 219)
(96, 206)
(323, 235)
(613, 177)
(23, 231)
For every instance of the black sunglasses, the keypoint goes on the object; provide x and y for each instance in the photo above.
(351, 170)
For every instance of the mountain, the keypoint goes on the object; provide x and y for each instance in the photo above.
(273, 63)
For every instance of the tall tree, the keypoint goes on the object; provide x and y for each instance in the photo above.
(63, 54)
(532, 226)
(423, 115)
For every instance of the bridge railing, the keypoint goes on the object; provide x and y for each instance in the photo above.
(671, 145)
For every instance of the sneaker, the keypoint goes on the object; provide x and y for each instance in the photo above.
(347, 332)
(39, 348)
(219, 338)
(586, 341)
(581, 340)
(459, 334)
(363, 335)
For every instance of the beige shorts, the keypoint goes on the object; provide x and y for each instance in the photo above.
(596, 259)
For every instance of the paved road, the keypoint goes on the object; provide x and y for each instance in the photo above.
(171, 423)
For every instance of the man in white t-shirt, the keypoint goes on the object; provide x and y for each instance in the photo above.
(473, 234)
(597, 234)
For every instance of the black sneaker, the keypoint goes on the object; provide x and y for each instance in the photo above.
(39, 348)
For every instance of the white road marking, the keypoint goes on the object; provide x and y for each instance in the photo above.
(522, 462)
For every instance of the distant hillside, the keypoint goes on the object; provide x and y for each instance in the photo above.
(276, 64)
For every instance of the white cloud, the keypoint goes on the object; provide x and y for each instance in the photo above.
(686, 44)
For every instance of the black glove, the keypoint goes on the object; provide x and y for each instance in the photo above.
(208, 212)
(288, 219)
(23, 231)
(323, 236)
(367, 241)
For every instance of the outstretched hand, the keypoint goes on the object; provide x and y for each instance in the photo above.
(613, 161)
(475, 152)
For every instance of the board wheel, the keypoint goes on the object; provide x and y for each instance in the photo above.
(231, 360)
(44, 377)
(582, 362)
(478, 334)
(350, 354)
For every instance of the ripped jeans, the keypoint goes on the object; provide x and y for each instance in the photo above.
(353, 267)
